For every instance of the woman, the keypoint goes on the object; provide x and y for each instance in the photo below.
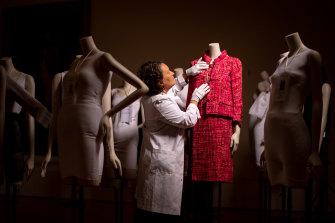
(160, 173)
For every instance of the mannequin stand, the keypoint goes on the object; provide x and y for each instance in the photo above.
(325, 187)
(264, 198)
(219, 202)
(286, 209)
(77, 203)
(118, 186)
(309, 202)
(203, 201)
(10, 214)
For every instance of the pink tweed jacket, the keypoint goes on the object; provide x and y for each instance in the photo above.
(224, 77)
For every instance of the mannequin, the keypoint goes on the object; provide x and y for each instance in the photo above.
(216, 134)
(14, 151)
(183, 93)
(257, 117)
(220, 104)
(86, 108)
(286, 133)
(29, 103)
(125, 130)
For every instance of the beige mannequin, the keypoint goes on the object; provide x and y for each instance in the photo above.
(105, 135)
(14, 74)
(295, 45)
(178, 71)
(287, 138)
(214, 52)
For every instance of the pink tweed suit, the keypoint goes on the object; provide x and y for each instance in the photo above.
(219, 110)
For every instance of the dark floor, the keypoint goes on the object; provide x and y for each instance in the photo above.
(38, 210)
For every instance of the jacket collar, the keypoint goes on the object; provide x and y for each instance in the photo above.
(216, 60)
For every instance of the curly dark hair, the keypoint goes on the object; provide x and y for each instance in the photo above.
(150, 73)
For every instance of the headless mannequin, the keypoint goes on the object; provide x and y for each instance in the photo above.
(313, 64)
(203, 190)
(214, 52)
(183, 93)
(105, 134)
(126, 148)
(178, 71)
(10, 70)
(262, 86)
(294, 44)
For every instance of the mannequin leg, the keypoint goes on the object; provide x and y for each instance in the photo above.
(116, 193)
(81, 205)
(219, 202)
(7, 203)
(14, 204)
(308, 202)
(283, 204)
(289, 204)
(269, 200)
(121, 198)
(74, 202)
(261, 209)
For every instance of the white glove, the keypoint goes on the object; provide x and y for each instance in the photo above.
(196, 69)
(200, 92)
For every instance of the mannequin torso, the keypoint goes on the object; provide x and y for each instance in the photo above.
(286, 133)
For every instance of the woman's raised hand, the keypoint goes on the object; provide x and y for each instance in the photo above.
(196, 69)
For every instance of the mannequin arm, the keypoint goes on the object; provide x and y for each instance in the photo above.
(314, 60)
(142, 115)
(33, 106)
(30, 87)
(128, 76)
(106, 126)
(2, 113)
(326, 90)
(235, 139)
(55, 106)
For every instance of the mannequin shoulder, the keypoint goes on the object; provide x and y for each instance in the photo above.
(57, 79)
(108, 58)
(235, 60)
(30, 83)
(314, 56)
(2, 75)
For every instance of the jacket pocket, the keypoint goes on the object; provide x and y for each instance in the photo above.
(163, 161)
(219, 108)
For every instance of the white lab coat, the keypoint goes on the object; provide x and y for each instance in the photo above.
(161, 164)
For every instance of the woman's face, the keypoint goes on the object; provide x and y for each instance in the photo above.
(168, 78)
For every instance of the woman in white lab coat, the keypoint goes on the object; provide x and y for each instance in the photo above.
(161, 164)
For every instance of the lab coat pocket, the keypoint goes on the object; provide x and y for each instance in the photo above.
(163, 161)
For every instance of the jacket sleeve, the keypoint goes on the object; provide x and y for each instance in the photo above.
(236, 77)
(171, 113)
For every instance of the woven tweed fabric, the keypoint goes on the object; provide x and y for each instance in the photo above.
(211, 154)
